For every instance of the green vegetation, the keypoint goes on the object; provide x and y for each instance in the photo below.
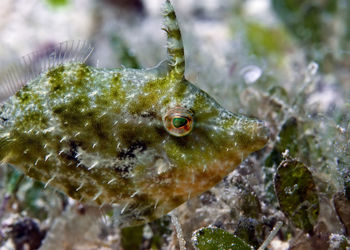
(297, 195)
(216, 238)
(58, 3)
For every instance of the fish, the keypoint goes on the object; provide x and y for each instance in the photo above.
(147, 140)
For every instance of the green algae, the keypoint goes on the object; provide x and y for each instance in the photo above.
(312, 24)
(305, 19)
(152, 235)
(134, 233)
(25, 192)
(211, 238)
(250, 230)
(263, 43)
(58, 3)
(124, 53)
(297, 194)
(13, 180)
(291, 139)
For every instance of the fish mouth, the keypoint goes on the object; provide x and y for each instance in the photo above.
(252, 136)
(260, 135)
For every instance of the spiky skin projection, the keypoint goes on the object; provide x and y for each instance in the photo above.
(97, 134)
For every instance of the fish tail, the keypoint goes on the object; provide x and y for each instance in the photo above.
(176, 55)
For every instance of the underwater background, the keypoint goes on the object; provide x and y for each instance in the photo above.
(285, 62)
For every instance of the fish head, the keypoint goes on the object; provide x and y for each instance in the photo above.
(201, 131)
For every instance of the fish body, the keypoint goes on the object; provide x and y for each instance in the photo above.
(146, 139)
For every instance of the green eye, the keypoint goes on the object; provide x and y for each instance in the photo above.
(178, 121)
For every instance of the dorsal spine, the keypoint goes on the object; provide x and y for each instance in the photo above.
(176, 55)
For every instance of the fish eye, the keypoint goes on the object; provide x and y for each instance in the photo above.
(178, 121)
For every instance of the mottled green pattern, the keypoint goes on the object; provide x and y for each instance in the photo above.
(212, 238)
(97, 134)
(297, 194)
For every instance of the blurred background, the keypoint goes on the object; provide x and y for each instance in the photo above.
(286, 62)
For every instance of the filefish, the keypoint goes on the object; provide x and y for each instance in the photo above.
(146, 139)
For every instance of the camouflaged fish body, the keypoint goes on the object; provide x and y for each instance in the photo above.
(101, 135)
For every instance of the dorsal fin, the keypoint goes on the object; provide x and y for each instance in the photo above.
(176, 55)
(18, 74)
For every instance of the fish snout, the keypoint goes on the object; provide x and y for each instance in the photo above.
(262, 131)
(260, 135)
(251, 135)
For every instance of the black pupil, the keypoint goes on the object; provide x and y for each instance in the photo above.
(179, 122)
